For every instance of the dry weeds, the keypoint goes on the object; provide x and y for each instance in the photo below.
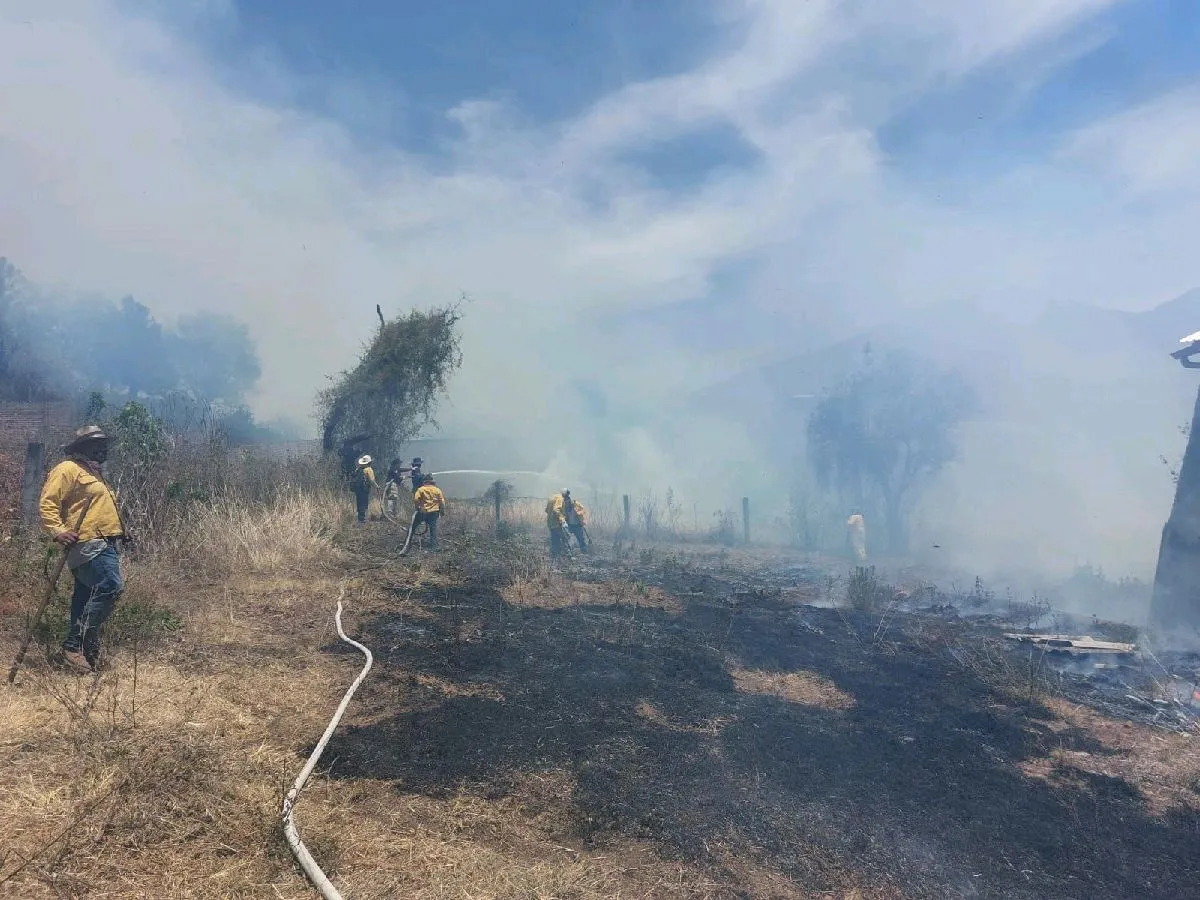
(231, 534)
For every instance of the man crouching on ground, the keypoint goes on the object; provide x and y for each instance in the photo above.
(91, 551)
(431, 503)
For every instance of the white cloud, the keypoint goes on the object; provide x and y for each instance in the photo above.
(1149, 149)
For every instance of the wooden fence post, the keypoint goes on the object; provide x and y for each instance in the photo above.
(35, 455)
(625, 503)
(746, 518)
(497, 507)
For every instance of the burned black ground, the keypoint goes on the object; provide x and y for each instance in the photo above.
(916, 789)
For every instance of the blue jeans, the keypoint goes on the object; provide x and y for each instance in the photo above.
(430, 520)
(580, 535)
(98, 584)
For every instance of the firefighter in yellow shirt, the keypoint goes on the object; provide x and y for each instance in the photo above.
(361, 482)
(77, 484)
(856, 536)
(566, 516)
(430, 503)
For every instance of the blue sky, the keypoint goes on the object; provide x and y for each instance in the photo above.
(1126, 56)
(550, 60)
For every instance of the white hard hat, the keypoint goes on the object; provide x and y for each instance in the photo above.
(364, 460)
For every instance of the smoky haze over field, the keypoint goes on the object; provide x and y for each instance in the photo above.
(790, 176)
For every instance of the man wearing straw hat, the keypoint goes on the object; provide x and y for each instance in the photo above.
(362, 481)
(79, 511)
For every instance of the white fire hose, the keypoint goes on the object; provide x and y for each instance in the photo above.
(314, 872)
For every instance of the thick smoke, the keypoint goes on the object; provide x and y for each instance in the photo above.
(120, 348)
(631, 325)
(196, 373)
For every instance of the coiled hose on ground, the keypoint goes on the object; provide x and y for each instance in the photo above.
(314, 872)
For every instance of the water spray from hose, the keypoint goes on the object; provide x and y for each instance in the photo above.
(546, 475)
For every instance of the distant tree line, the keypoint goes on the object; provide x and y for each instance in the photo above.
(195, 373)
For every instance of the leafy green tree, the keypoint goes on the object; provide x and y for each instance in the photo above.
(140, 446)
(882, 435)
(393, 391)
(141, 439)
(96, 405)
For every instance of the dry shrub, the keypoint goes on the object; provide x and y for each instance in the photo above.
(233, 534)
(1022, 679)
(865, 592)
(22, 562)
(11, 477)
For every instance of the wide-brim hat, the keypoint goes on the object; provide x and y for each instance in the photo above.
(364, 460)
(86, 435)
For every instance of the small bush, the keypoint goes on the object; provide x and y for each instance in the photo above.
(725, 530)
(864, 591)
(1114, 631)
(1028, 614)
(138, 619)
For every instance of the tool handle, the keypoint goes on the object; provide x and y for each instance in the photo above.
(47, 597)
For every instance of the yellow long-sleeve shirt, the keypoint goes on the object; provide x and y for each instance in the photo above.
(429, 499)
(68, 486)
(556, 512)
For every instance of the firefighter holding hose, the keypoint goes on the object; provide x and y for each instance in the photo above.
(430, 503)
(391, 488)
(361, 483)
(566, 516)
(79, 511)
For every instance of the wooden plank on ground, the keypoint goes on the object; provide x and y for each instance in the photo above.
(1061, 643)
